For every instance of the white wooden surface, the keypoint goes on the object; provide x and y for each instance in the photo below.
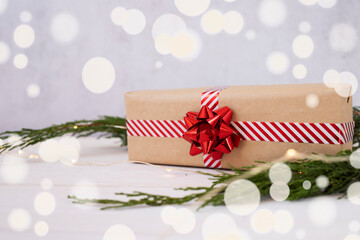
(70, 221)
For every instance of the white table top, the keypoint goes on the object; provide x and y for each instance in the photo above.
(70, 221)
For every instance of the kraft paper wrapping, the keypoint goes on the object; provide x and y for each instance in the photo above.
(282, 103)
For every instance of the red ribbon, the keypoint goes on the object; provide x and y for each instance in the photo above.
(210, 132)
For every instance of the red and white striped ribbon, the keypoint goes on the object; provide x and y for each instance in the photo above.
(318, 133)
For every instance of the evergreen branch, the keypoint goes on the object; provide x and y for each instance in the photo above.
(107, 126)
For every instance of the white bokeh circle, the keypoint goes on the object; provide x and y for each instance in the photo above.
(135, 22)
(33, 90)
(118, 16)
(192, 8)
(64, 27)
(41, 228)
(24, 36)
(242, 197)
(3, 6)
(50, 151)
(233, 22)
(284, 221)
(25, 16)
(98, 75)
(277, 62)
(327, 3)
(19, 219)
(303, 46)
(280, 172)
(212, 22)
(322, 181)
(322, 211)
(4, 52)
(13, 169)
(119, 231)
(308, 2)
(306, 184)
(168, 23)
(44, 203)
(20, 61)
(279, 191)
(353, 193)
(312, 100)
(343, 37)
(299, 71)
(272, 13)
(262, 221)
(304, 27)
(355, 159)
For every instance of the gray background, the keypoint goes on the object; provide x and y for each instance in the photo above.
(224, 59)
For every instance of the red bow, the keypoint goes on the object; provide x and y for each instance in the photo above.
(209, 132)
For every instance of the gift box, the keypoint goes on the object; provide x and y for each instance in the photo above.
(237, 125)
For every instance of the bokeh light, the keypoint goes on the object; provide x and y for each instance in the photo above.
(327, 3)
(262, 221)
(119, 231)
(299, 71)
(69, 155)
(221, 226)
(272, 13)
(343, 37)
(300, 234)
(280, 172)
(25, 16)
(13, 169)
(69, 140)
(3, 6)
(352, 237)
(118, 16)
(212, 22)
(24, 36)
(169, 24)
(20, 61)
(182, 219)
(159, 64)
(250, 34)
(33, 90)
(312, 100)
(98, 75)
(322, 211)
(304, 27)
(308, 2)
(46, 184)
(355, 159)
(4, 52)
(353, 193)
(306, 184)
(284, 221)
(279, 191)
(19, 219)
(344, 83)
(233, 22)
(331, 78)
(50, 151)
(192, 8)
(303, 46)
(44, 203)
(64, 27)
(41, 228)
(242, 197)
(322, 181)
(354, 226)
(85, 189)
(277, 62)
(181, 45)
(135, 22)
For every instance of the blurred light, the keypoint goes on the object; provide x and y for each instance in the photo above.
(284, 221)
(277, 62)
(353, 193)
(250, 34)
(327, 3)
(41, 228)
(354, 226)
(44, 203)
(212, 22)
(33, 90)
(86, 189)
(290, 153)
(158, 64)
(348, 84)
(262, 221)
(25, 16)
(163, 43)
(303, 46)
(352, 237)
(299, 71)
(242, 197)
(24, 36)
(355, 159)
(304, 27)
(322, 211)
(98, 75)
(280, 172)
(308, 2)
(69, 140)
(168, 213)
(343, 37)
(50, 151)
(19, 219)
(233, 22)
(4, 52)
(64, 27)
(20, 61)
(14, 169)
(300, 234)
(169, 24)
(322, 182)
(218, 225)
(306, 184)
(272, 13)
(119, 231)
(279, 191)
(135, 22)
(181, 45)
(118, 16)
(183, 221)
(192, 8)
(69, 155)
(46, 184)
(3, 6)
(331, 78)
(312, 100)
